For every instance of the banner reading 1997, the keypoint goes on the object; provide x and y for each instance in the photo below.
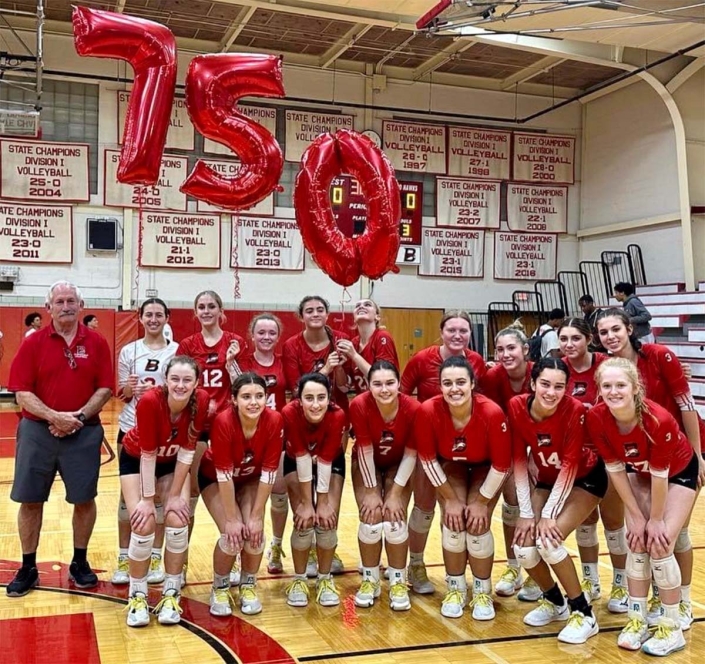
(268, 244)
(31, 233)
(447, 253)
(463, 203)
(544, 158)
(412, 146)
(524, 256)
(537, 208)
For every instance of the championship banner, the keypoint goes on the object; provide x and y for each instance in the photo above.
(230, 169)
(537, 208)
(449, 253)
(303, 127)
(268, 244)
(267, 117)
(36, 233)
(525, 256)
(478, 153)
(164, 195)
(544, 158)
(180, 240)
(34, 170)
(412, 146)
(463, 203)
(180, 135)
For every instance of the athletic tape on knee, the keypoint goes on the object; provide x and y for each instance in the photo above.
(369, 533)
(326, 539)
(480, 546)
(638, 566)
(248, 548)
(586, 535)
(225, 546)
(551, 554)
(617, 541)
(420, 521)
(527, 556)
(510, 514)
(279, 503)
(396, 532)
(160, 514)
(176, 539)
(683, 542)
(667, 574)
(193, 504)
(123, 514)
(140, 548)
(452, 541)
(301, 540)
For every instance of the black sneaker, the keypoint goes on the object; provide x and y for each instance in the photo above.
(25, 579)
(82, 575)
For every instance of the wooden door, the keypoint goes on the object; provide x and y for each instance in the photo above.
(412, 329)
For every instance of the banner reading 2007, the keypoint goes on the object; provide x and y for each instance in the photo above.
(524, 256)
(463, 203)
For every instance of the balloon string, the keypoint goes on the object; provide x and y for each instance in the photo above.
(345, 298)
(140, 241)
(234, 258)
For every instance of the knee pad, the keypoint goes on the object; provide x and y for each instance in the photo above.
(396, 533)
(420, 521)
(586, 535)
(193, 504)
(140, 548)
(452, 541)
(160, 514)
(369, 533)
(527, 556)
(667, 574)
(327, 539)
(248, 548)
(176, 539)
(123, 514)
(510, 514)
(638, 566)
(301, 540)
(225, 546)
(683, 542)
(617, 541)
(551, 554)
(480, 546)
(279, 503)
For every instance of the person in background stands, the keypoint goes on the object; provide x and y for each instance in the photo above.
(32, 322)
(91, 321)
(549, 337)
(639, 315)
(590, 314)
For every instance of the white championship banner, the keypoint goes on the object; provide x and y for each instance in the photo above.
(54, 172)
(179, 136)
(478, 153)
(230, 169)
(164, 195)
(36, 233)
(450, 253)
(544, 158)
(524, 256)
(268, 244)
(412, 146)
(303, 127)
(170, 239)
(537, 208)
(463, 203)
(267, 117)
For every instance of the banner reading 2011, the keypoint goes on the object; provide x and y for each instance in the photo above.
(524, 256)
(31, 233)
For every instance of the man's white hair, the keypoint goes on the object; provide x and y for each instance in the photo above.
(68, 284)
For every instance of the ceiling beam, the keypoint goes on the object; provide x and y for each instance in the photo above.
(392, 52)
(347, 41)
(438, 60)
(235, 28)
(684, 74)
(527, 73)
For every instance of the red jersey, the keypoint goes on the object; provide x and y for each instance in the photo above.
(215, 378)
(273, 376)
(497, 385)
(388, 439)
(379, 347)
(422, 372)
(581, 384)
(62, 377)
(231, 456)
(324, 440)
(155, 432)
(660, 448)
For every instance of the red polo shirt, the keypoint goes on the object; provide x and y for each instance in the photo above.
(42, 367)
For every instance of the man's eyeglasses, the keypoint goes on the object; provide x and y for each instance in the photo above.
(69, 356)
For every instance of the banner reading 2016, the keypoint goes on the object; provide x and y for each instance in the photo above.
(412, 146)
(524, 256)
(31, 233)
(447, 253)
(463, 203)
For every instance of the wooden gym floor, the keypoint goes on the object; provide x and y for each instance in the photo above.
(59, 625)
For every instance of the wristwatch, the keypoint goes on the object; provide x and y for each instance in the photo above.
(81, 417)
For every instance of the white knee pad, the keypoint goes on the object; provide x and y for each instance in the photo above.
(193, 504)
(369, 533)
(327, 539)
(248, 548)
(586, 535)
(226, 547)
(452, 541)
(160, 514)
(279, 503)
(510, 514)
(420, 521)
(683, 542)
(638, 566)
(527, 556)
(551, 554)
(667, 574)
(123, 514)
(480, 546)
(176, 539)
(301, 540)
(396, 533)
(140, 547)
(617, 541)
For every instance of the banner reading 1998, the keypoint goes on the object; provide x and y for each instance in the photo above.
(31, 233)
(478, 153)
(463, 203)
(267, 117)
(524, 256)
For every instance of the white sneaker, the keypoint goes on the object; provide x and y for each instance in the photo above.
(274, 559)
(312, 564)
(399, 597)
(168, 610)
(121, 575)
(336, 566)
(221, 602)
(509, 582)
(635, 632)
(297, 593)
(482, 607)
(137, 611)
(667, 638)
(530, 591)
(453, 603)
(156, 570)
(685, 610)
(619, 600)
(367, 594)
(184, 575)
(235, 573)
(249, 602)
(546, 612)
(579, 628)
(591, 590)
(326, 593)
(654, 611)
(418, 578)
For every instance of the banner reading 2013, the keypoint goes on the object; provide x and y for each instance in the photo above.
(524, 256)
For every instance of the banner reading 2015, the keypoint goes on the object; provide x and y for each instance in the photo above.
(449, 253)
(524, 256)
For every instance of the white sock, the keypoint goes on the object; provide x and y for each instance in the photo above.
(395, 575)
(685, 593)
(172, 582)
(370, 574)
(483, 586)
(138, 586)
(221, 581)
(457, 582)
(619, 577)
(590, 572)
(157, 553)
(122, 553)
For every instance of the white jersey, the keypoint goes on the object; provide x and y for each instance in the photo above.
(149, 365)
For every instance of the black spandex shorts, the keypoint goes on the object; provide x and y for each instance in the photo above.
(688, 477)
(130, 465)
(595, 482)
(337, 467)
